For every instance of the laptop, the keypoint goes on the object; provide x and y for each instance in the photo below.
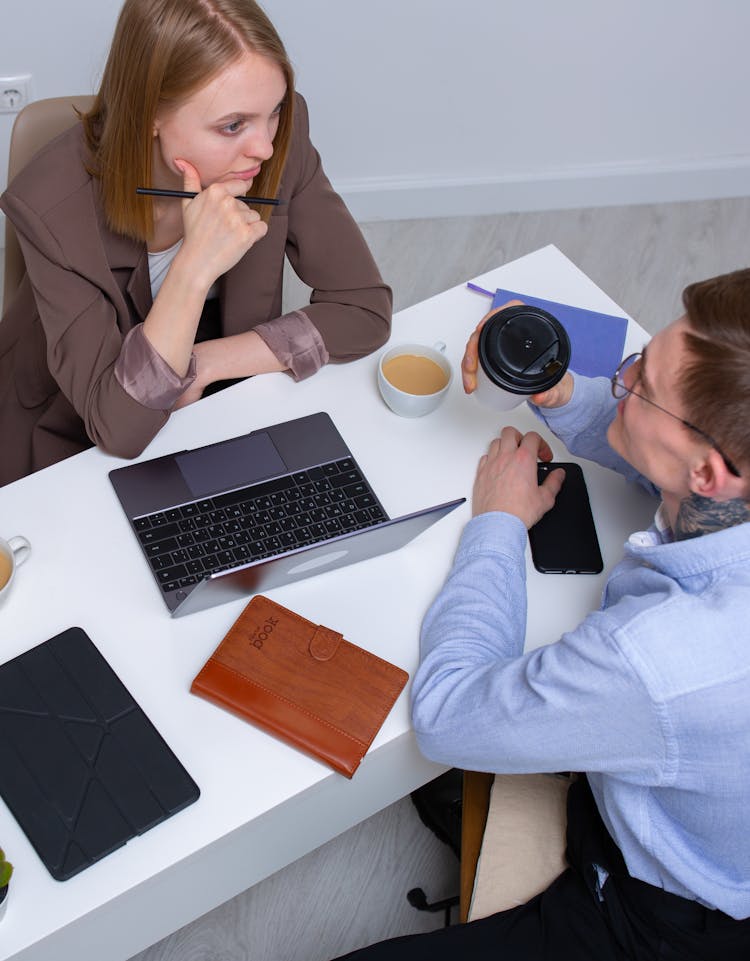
(254, 512)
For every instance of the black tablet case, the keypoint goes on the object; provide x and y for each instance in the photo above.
(82, 768)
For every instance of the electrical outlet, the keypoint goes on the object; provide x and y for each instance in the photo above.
(15, 93)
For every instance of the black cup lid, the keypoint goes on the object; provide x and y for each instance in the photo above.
(524, 349)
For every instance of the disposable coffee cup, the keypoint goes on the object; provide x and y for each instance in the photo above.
(523, 350)
(13, 553)
(413, 379)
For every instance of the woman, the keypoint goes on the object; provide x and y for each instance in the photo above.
(133, 305)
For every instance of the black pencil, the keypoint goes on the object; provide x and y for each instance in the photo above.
(189, 194)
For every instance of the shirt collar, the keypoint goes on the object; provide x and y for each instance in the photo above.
(660, 531)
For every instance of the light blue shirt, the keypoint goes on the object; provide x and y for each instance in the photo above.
(650, 695)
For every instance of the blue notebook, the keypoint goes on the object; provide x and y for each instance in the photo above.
(596, 340)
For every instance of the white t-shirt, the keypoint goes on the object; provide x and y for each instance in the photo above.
(160, 262)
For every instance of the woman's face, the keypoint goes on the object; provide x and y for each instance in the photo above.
(226, 129)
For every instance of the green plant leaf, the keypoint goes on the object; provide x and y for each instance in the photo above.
(6, 869)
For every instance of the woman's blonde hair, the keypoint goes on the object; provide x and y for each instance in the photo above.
(163, 51)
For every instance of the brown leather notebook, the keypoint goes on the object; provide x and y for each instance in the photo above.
(302, 682)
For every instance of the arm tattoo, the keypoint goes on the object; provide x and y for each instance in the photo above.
(701, 515)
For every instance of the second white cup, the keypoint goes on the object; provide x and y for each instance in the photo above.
(13, 553)
(413, 379)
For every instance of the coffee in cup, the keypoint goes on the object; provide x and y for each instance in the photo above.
(13, 553)
(413, 379)
(523, 350)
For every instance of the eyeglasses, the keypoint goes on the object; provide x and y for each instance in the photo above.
(620, 390)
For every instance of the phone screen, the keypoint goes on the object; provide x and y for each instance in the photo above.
(564, 541)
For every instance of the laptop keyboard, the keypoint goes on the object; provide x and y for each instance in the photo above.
(185, 544)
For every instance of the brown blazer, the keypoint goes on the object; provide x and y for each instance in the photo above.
(86, 287)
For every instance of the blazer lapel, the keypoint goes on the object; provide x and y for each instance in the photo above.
(128, 263)
(139, 286)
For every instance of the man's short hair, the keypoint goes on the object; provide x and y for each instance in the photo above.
(715, 383)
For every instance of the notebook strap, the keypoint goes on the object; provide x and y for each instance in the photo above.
(324, 643)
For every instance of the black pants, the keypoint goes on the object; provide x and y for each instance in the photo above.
(573, 920)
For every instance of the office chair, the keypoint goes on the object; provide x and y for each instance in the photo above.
(513, 839)
(37, 124)
(514, 824)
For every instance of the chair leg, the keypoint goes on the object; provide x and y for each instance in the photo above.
(418, 899)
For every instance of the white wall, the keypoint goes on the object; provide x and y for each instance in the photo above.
(428, 107)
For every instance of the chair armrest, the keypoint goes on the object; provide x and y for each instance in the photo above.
(476, 802)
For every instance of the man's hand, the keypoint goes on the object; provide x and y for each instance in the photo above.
(507, 477)
(470, 361)
(557, 396)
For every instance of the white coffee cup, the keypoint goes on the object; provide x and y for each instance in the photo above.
(404, 402)
(13, 553)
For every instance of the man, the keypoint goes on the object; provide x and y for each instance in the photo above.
(650, 695)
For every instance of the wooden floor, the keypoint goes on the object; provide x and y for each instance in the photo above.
(352, 891)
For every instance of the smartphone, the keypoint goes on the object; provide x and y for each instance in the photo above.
(564, 541)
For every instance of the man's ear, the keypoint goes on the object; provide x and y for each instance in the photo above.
(710, 477)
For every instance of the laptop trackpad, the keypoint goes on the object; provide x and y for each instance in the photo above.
(232, 463)
(310, 565)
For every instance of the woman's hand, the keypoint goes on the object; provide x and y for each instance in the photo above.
(228, 358)
(507, 477)
(208, 355)
(194, 392)
(470, 361)
(219, 229)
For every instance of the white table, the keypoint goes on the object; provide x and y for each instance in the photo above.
(263, 804)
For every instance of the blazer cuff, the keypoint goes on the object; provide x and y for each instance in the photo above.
(296, 343)
(145, 376)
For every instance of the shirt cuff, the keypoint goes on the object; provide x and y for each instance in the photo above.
(296, 343)
(591, 398)
(146, 377)
(495, 532)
